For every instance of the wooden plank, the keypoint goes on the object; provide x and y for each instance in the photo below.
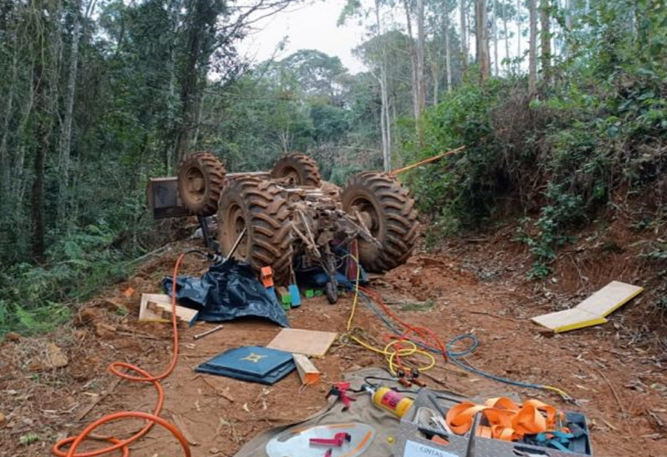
(608, 299)
(307, 372)
(591, 311)
(148, 315)
(569, 319)
(307, 342)
(158, 307)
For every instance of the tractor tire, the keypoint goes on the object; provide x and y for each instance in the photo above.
(201, 177)
(299, 168)
(257, 205)
(387, 210)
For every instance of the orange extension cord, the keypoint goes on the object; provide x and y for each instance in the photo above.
(424, 336)
(143, 376)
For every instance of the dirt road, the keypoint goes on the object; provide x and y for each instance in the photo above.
(469, 286)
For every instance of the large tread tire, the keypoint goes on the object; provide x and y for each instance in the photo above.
(301, 169)
(391, 215)
(259, 206)
(201, 178)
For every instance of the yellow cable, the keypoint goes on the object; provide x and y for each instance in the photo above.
(356, 292)
(389, 355)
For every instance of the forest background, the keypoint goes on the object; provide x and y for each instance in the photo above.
(560, 104)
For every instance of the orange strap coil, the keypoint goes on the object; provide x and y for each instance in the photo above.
(507, 420)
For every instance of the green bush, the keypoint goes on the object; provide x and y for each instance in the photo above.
(35, 299)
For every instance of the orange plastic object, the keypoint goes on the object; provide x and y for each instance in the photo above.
(507, 420)
(267, 276)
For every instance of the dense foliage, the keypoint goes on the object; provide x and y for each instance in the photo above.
(98, 96)
(556, 158)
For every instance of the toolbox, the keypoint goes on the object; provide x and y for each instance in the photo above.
(417, 438)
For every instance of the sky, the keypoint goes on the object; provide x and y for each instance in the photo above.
(308, 26)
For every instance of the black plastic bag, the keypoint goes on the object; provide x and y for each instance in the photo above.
(227, 291)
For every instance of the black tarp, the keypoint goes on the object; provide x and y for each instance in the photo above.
(227, 291)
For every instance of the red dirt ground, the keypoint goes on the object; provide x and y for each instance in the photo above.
(478, 285)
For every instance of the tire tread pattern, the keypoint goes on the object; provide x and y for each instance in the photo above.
(397, 207)
(267, 220)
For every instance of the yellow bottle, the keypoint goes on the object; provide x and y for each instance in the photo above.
(392, 401)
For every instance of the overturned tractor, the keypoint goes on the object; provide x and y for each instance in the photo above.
(290, 219)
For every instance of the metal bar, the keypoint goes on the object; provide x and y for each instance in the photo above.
(207, 332)
(432, 159)
(237, 243)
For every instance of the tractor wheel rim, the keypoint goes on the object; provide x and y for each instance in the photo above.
(368, 214)
(195, 184)
(237, 223)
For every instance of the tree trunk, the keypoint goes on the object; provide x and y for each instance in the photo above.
(532, 51)
(464, 38)
(385, 121)
(415, 63)
(518, 35)
(494, 26)
(482, 40)
(545, 41)
(421, 83)
(448, 52)
(4, 153)
(507, 34)
(66, 133)
(201, 37)
(41, 147)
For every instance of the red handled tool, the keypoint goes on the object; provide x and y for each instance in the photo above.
(337, 441)
(339, 390)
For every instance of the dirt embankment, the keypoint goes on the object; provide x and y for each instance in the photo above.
(615, 371)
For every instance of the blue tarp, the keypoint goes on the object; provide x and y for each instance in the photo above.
(227, 291)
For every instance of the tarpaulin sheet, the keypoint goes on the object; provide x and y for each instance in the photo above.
(227, 291)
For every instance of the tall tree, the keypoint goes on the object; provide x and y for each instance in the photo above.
(545, 40)
(518, 35)
(482, 39)
(201, 40)
(43, 30)
(463, 10)
(421, 51)
(532, 47)
(66, 131)
(494, 32)
(506, 31)
(385, 116)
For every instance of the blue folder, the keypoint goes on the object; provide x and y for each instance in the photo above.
(251, 363)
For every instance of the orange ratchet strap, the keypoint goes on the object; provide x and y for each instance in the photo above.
(507, 420)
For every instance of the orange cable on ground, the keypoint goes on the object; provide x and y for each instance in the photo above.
(152, 419)
(429, 160)
(423, 334)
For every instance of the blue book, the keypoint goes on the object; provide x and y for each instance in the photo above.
(251, 363)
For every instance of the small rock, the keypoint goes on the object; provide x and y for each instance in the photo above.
(214, 450)
(12, 336)
(105, 331)
(2, 418)
(57, 358)
(88, 315)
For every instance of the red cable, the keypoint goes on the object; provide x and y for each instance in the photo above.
(424, 334)
(152, 419)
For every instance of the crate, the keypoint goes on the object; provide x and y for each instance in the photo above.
(412, 442)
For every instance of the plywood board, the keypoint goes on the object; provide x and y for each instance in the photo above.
(591, 311)
(569, 319)
(611, 297)
(307, 342)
